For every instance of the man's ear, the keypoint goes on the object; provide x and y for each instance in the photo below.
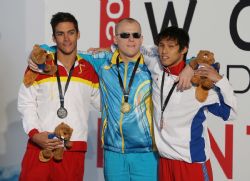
(53, 38)
(142, 39)
(185, 49)
(78, 36)
(115, 39)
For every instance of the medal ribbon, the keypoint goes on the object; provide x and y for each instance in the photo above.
(61, 95)
(163, 106)
(126, 93)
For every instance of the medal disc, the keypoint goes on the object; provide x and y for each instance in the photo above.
(125, 107)
(62, 112)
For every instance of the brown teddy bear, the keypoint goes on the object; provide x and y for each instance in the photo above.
(41, 58)
(203, 83)
(62, 132)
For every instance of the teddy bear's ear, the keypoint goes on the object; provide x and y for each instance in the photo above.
(58, 128)
(200, 53)
(38, 55)
(36, 46)
(57, 132)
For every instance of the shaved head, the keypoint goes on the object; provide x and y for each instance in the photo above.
(126, 20)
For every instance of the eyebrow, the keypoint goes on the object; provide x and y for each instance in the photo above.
(66, 31)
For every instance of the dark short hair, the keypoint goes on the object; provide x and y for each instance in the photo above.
(63, 17)
(177, 34)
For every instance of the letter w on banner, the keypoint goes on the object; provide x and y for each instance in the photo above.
(112, 11)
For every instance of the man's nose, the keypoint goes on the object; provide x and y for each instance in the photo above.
(131, 38)
(66, 37)
(164, 50)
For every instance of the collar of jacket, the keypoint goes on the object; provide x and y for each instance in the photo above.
(116, 53)
(78, 57)
(175, 70)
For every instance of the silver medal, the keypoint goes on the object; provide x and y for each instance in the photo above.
(62, 112)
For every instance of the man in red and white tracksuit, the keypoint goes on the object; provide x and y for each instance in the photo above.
(40, 102)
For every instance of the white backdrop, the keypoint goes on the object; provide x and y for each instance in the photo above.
(26, 22)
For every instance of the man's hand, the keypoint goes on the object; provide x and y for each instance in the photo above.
(42, 140)
(208, 71)
(185, 78)
(33, 66)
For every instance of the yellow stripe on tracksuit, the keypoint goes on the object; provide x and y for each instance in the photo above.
(64, 79)
(122, 114)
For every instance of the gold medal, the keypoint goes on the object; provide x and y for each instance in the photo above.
(125, 107)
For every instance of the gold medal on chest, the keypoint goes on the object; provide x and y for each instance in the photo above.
(125, 107)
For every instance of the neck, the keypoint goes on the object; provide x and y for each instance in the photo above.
(66, 60)
(126, 59)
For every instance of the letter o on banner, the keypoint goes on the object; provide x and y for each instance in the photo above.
(233, 26)
(114, 15)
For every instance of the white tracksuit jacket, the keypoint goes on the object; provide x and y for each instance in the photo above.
(38, 104)
(185, 135)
